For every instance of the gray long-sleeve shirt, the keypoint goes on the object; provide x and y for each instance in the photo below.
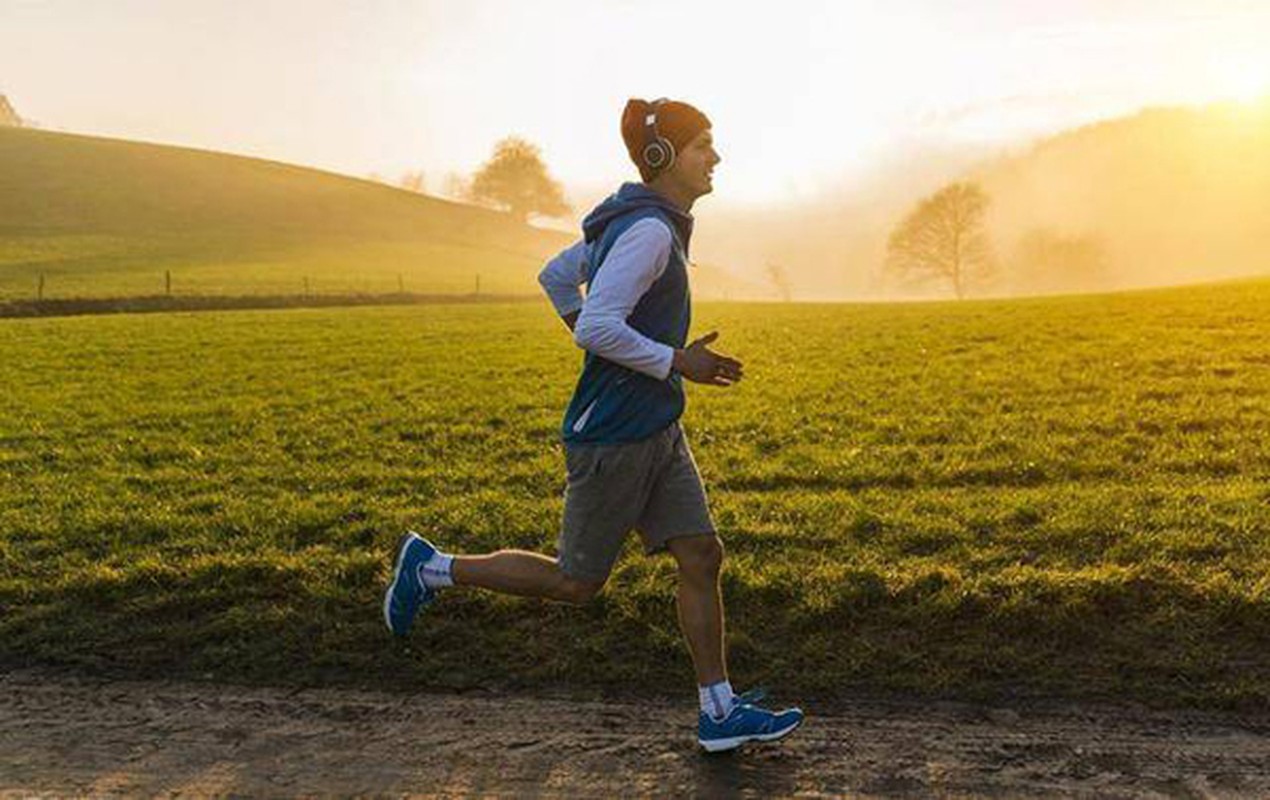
(635, 261)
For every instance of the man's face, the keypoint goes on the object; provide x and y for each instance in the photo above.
(694, 165)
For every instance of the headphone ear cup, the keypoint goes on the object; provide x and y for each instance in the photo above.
(659, 154)
(670, 152)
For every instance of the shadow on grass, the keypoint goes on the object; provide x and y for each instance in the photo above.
(1144, 634)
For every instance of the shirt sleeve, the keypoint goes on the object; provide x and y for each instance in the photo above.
(634, 262)
(562, 276)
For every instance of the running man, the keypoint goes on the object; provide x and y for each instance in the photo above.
(629, 465)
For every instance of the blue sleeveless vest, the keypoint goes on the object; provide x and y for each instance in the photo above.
(611, 403)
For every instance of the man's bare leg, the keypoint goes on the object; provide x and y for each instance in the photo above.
(700, 603)
(523, 573)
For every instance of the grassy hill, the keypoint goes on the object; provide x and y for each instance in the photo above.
(107, 217)
(1172, 195)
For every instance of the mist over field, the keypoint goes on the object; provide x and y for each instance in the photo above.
(1165, 196)
(1168, 196)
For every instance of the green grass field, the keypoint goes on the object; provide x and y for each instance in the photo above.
(1065, 496)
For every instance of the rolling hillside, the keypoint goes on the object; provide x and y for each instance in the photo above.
(107, 217)
(1171, 195)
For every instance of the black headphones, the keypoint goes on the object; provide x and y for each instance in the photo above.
(659, 153)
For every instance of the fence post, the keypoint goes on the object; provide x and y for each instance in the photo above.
(401, 284)
(306, 286)
(478, 283)
(39, 294)
(167, 282)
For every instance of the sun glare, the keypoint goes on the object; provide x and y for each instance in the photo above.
(1244, 82)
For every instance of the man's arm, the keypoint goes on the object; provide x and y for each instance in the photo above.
(634, 262)
(560, 279)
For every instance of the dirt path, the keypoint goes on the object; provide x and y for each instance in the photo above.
(72, 736)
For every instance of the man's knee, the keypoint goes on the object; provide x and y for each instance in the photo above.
(698, 555)
(575, 591)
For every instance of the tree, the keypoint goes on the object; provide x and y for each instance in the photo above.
(8, 117)
(943, 238)
(1046, 260)
(515, 179)
(412, 181)
(780, 281)
(455, 187)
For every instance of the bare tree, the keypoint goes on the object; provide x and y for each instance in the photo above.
(8, 117)
(943, 238)
(779, 280)
(515, 179)
(455, 187)
(412, 181)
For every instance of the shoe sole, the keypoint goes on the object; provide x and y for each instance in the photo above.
(733, 742)
(396, 576)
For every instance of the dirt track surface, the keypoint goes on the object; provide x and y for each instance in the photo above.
(62, 736)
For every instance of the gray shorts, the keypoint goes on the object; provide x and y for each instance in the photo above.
(651, 486)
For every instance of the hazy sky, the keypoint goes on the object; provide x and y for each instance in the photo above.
(801, 94)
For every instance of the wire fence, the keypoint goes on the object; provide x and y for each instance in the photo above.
(308, 294)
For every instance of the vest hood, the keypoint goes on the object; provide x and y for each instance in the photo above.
(633, 197)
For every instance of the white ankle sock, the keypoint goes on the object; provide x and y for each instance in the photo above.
(717, 699)
(437, 571)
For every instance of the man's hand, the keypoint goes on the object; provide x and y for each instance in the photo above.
(700, 364)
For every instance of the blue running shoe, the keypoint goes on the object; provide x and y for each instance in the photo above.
(746, 723)
(407, 594)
